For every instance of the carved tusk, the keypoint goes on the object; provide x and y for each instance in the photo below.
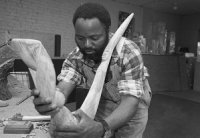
(91, 102)
(40, 65)
(42, 70)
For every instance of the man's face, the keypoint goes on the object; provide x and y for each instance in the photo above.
(91, 37)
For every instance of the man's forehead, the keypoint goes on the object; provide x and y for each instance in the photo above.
(89, 26)
(88, 21)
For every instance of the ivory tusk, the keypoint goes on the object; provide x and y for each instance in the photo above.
(91, 102)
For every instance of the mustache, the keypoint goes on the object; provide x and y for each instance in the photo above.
(89, 49)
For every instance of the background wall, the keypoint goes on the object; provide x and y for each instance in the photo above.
(189, 32)
(151, 21)
(42, 19)
(172, 21)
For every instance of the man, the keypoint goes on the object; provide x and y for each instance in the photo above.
(123, 108)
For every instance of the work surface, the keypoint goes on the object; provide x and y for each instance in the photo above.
(26, 108)
(171, 114)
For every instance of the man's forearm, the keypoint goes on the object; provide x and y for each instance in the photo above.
(66, 88)
(123, 113)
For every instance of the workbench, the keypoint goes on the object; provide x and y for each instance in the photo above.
(26, 108)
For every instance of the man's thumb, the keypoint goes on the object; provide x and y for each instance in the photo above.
(78, 114)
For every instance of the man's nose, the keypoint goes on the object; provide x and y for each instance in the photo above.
(88, 43)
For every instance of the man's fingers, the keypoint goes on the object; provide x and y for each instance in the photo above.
(68, 129)
(43, 105)
(42, 101)
(81, 116)
(51, 111)
(45, 108)
(65, 135)
(35, 92)
(78, 113)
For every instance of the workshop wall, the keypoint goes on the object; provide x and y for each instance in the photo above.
(190, 32)
(171, 21)
(43, 19)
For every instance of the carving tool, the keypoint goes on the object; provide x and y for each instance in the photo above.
(23, 99)
(36, 118)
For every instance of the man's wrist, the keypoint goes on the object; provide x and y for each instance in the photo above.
(59, 98)
(101, 129)
(106, 131)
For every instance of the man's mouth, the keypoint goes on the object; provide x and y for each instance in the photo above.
(89, 52)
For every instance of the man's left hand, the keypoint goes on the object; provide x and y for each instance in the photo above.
(85, 128)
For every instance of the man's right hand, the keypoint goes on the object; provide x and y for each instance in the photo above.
(44, 106)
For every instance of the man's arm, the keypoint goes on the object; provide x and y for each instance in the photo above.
(49, 106)
(90, 128)
(130, 87)
(123, 113)
(66, 88)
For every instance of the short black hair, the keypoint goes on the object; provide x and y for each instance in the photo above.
(90, 10)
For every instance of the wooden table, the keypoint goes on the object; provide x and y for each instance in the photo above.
(26, 108)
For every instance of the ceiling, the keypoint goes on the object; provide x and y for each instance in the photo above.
(179, 7)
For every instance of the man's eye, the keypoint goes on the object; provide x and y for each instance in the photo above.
(80, 38)
(95, 38)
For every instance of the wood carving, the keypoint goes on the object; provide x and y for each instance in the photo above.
(40, 65)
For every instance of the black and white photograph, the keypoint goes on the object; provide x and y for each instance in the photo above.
(99, 68)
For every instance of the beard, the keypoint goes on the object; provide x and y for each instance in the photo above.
(97, 55)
